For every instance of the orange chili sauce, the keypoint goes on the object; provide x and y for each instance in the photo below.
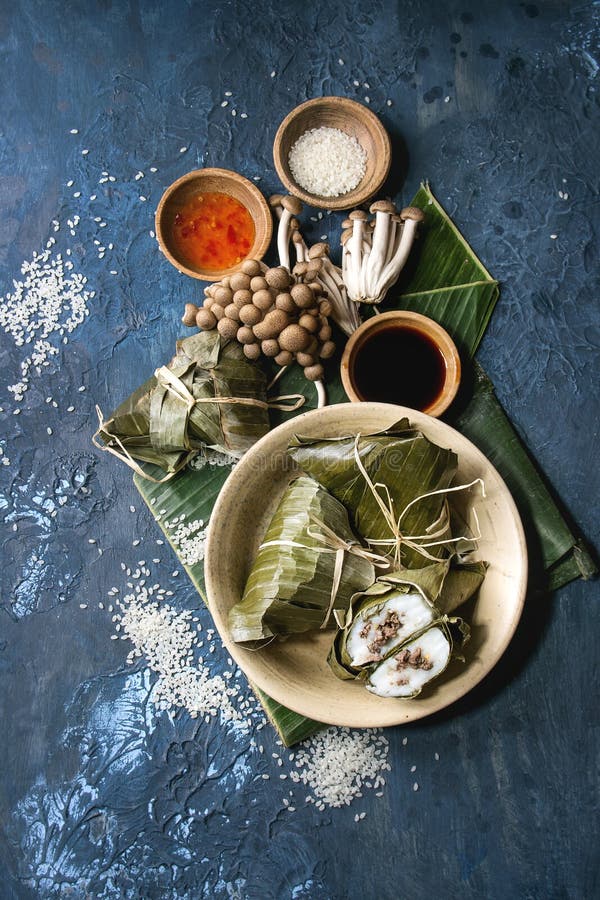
(213, 231)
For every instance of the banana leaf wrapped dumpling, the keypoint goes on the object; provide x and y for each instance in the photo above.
(387, 480)
(307, 568)
(210, 394)
(395, 638)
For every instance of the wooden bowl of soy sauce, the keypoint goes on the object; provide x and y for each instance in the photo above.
(403, 358)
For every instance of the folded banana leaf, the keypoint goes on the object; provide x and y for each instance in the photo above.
(210, 394)
(462, 302)
(301, 574)
(378, 477)
(394, 637)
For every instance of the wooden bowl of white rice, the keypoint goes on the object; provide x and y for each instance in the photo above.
(332, 153)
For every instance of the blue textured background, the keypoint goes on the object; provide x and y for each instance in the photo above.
(497, 105)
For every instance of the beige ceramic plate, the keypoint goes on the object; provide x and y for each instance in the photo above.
(295, 672)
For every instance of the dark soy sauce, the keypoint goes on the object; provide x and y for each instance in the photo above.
(399, 364)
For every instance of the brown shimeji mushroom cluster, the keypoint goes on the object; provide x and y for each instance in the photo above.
(270, 312)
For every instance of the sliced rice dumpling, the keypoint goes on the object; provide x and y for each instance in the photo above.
(210, 394)
(394, 637)
(302, 573)
(378, 477)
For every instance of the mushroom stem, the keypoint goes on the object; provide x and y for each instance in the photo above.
(390, 273)
(384, 210)
(321, 395)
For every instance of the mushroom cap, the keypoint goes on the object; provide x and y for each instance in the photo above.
(239, 282)
(314, 373)
(241, 298)
(217, 311)
(384, 206)
(263, 299)
(294, 338)
(252, 351)
(303, 297)
(297, 237)
(345, 236)
(189, 314)
(314, 266)
(258, 283)
(305, 359)
(324, 333)
(325, 308)
(309, 322)
(227, 328)
(206, 320)
(294, 225)
(270, 347)
(285, 302)
(327, 350)
(413, 213)
(245, 335)
(232, 312)
(251, 267)
(292, 204)
(278, 278)
(274, 322)
(358, 214)
(284, 358)
(250, 315)
(318, 250)
(275, 200)
(316, 287)
(223, 296)
(347, 223)
(300, 268)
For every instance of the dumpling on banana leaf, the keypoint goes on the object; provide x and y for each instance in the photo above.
(395, 637)
(386, 481)
(209, 394)
(308, 566)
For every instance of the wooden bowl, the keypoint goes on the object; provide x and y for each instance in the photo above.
(413, 322)
(346, 115)
(295, 672)
(220, 181)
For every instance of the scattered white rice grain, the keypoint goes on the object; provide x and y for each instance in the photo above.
(367, 99)
(182, 149)
(356, 83)
(74, 130)
(243, 115)
(84, 152)
(153, 169)
(273, 74)
(341, 62)
(225, 103)
(415, 786)
(388, 102)
(83, 606)
(70, 183)
(553, 237)
(234, 112)
(49, 430)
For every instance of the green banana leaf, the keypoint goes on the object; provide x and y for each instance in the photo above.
(208, 395)
(290, 590)
(464, 312)
(402, 459)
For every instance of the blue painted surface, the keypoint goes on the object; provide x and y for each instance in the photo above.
(497, 105)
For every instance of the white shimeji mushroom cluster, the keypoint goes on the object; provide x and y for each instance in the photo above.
(375, 251)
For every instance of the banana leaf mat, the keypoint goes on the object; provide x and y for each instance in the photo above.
(447, 282)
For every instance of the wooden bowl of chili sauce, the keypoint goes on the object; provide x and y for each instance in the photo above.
(210, 220)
